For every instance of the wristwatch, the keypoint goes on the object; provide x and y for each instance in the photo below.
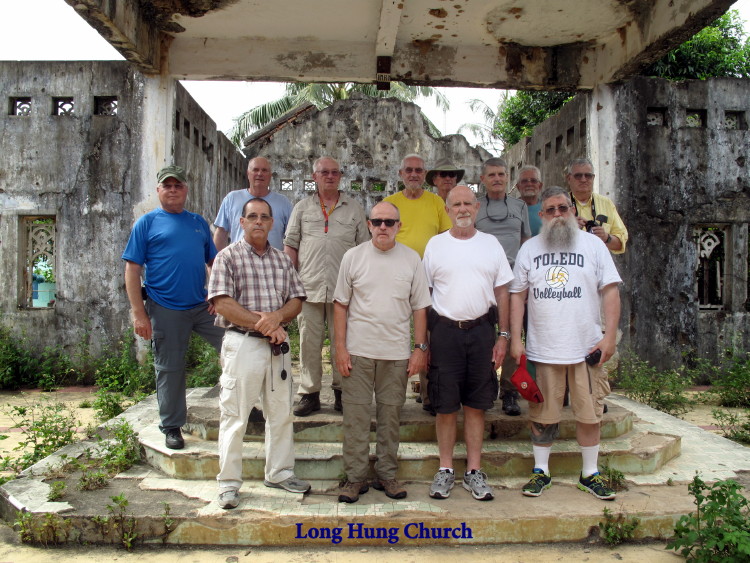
(422, 347)
(504, 334)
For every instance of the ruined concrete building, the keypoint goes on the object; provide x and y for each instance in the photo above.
(673, 157)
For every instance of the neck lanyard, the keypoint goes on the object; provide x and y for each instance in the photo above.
(575, 205)
(327, 213)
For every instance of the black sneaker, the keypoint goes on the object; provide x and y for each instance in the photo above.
(174, 439)
(337, 406)
(536, 485)
(595, 485)
(510, 403)
(309, 403)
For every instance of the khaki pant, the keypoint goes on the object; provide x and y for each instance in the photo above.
(249, 368)
(387, 378)
(312, 321)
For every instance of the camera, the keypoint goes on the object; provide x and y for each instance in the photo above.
(598, 222)
(278, 349)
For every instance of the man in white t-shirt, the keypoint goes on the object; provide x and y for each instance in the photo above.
(469, 276)
(569, 277)
(381, 285)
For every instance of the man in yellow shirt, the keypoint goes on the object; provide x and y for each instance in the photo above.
(423, 216)
(595, 213)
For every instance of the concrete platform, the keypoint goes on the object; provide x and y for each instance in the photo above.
(274, 517)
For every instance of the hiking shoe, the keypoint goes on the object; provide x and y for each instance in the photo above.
(510, 403)
(391, 487)
(309, 403)
(174, 439)
(442, 484)
(229, 499)
(595, 485)
(349, 492)
(476, 483)
(536, 485)
(293, 485)
(337, 406)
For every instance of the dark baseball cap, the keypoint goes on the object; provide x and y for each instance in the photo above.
(171, 171)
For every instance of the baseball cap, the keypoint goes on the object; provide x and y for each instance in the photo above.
(525, 384)
(171, 171)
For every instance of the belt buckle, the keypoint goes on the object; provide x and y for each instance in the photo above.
(461, 325)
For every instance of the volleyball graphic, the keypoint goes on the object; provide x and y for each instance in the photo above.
(556, 277)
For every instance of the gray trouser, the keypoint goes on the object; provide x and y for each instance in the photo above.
(387, 378)
(312, 322)
(170, 341)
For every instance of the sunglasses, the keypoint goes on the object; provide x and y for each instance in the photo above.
(409, 170)
(563, 209)
(447, 174)
(388, 222)
(581, 175)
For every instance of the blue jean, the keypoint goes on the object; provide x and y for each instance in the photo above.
(170, 341)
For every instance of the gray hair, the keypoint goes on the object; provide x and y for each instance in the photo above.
(553, 191)
(315, 164)
(578, 162)
(412, 155)
(494, 162)
(530, 167)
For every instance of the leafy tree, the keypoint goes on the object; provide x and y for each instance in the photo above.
(485, 131)
(720, 50)
(323, 95)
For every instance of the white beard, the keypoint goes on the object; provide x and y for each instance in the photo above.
(560, 233)
(464, 222)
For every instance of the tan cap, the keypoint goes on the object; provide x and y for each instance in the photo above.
(444, 165)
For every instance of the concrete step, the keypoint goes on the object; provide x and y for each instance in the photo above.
(637, 452)
(416, 424)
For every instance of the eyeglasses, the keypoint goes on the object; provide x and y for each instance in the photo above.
(329, 172)
(447, 174)
(409, 170)
(528, 181)
(563, 209)
(254, 217)
(388, 222)
(581, 175)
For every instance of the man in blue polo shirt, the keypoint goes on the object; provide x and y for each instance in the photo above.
(173, 247)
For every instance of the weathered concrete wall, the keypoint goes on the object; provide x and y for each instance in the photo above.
(96, 174)
(368, 137)
(666, 177)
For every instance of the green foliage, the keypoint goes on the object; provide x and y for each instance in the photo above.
(617, 529)
(54, 368)
(719, 530)
(201, 363)
(120, 519)
(733, 385)
(662, 390)
(120, 371)
(45, 426)
(17, 366)
(614, 478)
(719, 50)
(520, 113)
(44, 529)
(322, 95)
(56, 491)
(734, 426)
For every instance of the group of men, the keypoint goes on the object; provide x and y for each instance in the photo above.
(442, 263)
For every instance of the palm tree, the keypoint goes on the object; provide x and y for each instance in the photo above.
(323, 95)
(488, 138)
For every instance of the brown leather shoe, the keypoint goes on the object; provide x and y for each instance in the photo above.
(349, 492)
(391, 487)
(308, 404)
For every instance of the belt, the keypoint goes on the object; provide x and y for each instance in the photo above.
(247, 332)
(465, 325)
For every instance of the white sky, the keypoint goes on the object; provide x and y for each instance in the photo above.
(51, 30)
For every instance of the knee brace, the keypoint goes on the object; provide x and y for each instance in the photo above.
(544, 433)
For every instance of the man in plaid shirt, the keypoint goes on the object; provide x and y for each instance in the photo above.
(256, 291)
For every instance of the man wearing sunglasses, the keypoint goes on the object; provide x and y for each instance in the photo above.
(256, 292)
(422, 217)
(596, 213)
(444, 177)
(371, 317)
(569, 277)
(507, 219)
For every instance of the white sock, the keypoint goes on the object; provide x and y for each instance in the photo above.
(541, 458)
(590, 460)
(448, 469)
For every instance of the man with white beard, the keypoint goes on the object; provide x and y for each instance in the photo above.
(568, 276)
